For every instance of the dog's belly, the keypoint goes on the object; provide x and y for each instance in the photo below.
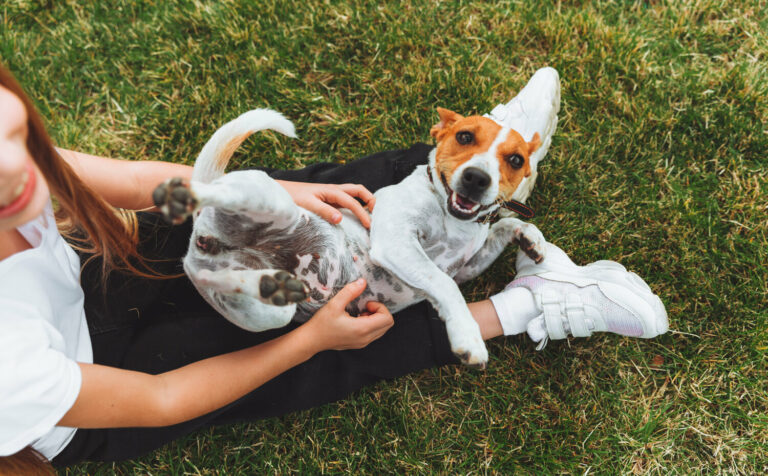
(325, 256)
(344, 259)
(351, 261)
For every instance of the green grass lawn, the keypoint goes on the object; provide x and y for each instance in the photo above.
(659, 162)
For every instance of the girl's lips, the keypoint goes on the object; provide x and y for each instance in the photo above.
(24, 198)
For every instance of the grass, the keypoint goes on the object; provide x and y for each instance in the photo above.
(659, 162)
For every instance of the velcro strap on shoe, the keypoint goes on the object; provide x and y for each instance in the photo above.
(574, 310)
(553, 317)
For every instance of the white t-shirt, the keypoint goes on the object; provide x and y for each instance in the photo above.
(43, 333)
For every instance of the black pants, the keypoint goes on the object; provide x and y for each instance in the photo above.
(155, 326)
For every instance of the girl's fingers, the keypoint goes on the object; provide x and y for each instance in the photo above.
(343, 199)
(379, 320)
(374, 307)
(360, 192)
(326, 212)
(347, 294)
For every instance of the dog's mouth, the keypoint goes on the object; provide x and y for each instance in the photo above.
(461, 207)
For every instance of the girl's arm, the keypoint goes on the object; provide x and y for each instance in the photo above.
(123, 183)
(111, 397)
(129, 184)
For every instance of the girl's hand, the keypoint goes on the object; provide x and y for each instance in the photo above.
(322, 199)
(333, 328)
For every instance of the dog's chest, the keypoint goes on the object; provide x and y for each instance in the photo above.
(451, 245)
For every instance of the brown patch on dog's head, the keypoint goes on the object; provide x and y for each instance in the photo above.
(460, 138)
(511, 176)
(450, 153)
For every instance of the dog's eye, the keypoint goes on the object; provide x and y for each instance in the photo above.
(464, 137)
(515, 160)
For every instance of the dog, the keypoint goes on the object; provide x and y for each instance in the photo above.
(261, 260)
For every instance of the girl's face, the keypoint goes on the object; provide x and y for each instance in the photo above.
(23, 192)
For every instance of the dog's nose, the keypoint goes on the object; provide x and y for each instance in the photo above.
(474, 181)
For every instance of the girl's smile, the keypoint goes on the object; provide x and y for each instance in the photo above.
(23, 192)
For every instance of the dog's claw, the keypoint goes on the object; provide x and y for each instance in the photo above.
(282, 288)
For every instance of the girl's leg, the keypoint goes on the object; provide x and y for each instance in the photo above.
(154, 326)
(375, 171)
(416, 341)
(172, 325)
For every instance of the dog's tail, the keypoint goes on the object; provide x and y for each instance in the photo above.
(214, 157)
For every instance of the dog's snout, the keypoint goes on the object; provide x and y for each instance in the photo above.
(474, 180)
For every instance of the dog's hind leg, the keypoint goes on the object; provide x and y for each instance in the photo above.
(255, 300)
(270, 286)
(251, 314)
(251, 193)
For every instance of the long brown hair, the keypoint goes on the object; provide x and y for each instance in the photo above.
(26, 462)
(88, 222)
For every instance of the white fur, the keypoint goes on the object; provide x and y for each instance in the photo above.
(423, 248)
(207, 165)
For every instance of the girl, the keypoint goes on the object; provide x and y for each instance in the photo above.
(107, 352)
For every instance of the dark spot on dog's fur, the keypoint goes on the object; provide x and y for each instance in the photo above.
(209, 245)
(316, 295)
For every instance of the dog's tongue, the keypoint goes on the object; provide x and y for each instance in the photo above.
(468, 204)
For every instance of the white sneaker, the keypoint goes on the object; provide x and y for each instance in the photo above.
(534, 109)
(579, 300)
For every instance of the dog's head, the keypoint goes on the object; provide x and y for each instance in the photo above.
(479, 163)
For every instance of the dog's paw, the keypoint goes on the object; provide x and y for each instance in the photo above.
(175, 200)
(468, 346)
(530, 240)
(282, 288)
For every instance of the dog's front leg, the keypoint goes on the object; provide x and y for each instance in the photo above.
(409, 263)
(504, 231)
(251, 193)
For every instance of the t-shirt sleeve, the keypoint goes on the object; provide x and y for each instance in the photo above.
(38, 383)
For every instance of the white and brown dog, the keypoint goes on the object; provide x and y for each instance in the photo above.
(260, 260)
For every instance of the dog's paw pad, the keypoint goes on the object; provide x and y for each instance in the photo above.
(283, 276)
(282, 289)
(175, 200)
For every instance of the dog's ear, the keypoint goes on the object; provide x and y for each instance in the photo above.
(534, 143)
(447, 119)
